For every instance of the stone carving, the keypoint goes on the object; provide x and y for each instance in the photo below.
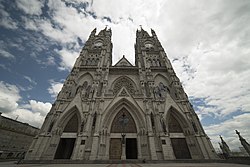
(153, 61)
(161, 91)
(99, 91)
(92, 60)
(148, 93)
(104, 131)
(123, 93)
(82, 126)
(86, 90)
(124, 82)
(195, 127)
(163, 124)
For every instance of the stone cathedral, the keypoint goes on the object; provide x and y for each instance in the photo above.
(121, 111)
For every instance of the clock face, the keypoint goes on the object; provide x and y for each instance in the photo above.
(98, 44)
(148, 45)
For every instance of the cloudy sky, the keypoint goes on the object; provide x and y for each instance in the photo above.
(206, 41)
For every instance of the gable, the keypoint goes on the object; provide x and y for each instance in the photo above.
(123, 62)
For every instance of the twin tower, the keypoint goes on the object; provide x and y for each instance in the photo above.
(121, 111)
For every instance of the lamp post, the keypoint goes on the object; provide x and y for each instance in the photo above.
(123, 121)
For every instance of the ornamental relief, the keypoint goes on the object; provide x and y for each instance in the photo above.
(124, 82)
(161, 91)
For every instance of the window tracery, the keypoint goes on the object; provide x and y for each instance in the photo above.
(91, 60)
(154, 60)
(124, 82)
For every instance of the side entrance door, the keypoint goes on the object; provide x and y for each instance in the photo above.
(180, 148)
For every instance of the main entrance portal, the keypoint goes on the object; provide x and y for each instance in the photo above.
(65, 148)
(115, 149)
(123, 128)
(131, 148)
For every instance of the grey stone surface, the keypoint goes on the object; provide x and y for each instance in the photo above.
(165, 124)
(15, 137)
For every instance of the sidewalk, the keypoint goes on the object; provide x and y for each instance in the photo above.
(12, 164)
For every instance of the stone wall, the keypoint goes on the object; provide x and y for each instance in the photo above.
(15, 138)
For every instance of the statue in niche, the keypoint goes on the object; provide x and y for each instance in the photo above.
(160, 91)
(85, 89)
(58, 131)
(79, 89)
(158, 62)
(148, 94)
(82, 126)
(104, 131)
(195, 127)
(163, 124)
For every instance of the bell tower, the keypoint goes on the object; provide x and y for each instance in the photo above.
(97, 52)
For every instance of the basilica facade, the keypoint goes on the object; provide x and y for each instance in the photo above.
(121, 111)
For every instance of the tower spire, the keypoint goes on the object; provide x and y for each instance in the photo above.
(244, 143)
(224, 147)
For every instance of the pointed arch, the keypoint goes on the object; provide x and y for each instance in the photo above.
(135, 112)
(177, 119)
(68, 118)
(159, 78)
(72, 125)
(84, 77)
(174, 125)
(123, 122)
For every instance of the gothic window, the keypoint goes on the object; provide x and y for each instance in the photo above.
(72, 125)
(173, 125)
(91, 60)
(154, 60)
(124, 82)
(123, 123)
(94, 120)
(152, 120)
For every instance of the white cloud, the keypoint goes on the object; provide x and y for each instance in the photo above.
(30, 24)
(55, 87)
(68, 58)
(30, 80)
(226, 129)
(39, 107)
(26, 116)
(33, 7)
(5, 19)
(9, 97)
(32, 113)
(6, 54)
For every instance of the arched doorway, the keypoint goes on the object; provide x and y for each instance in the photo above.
(178, 140)
(123, 136)
(67, 140)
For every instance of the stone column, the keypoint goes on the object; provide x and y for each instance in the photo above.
(168, 152)
(95, 144)
(151, 138)
(123, 157)
(139, 147)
